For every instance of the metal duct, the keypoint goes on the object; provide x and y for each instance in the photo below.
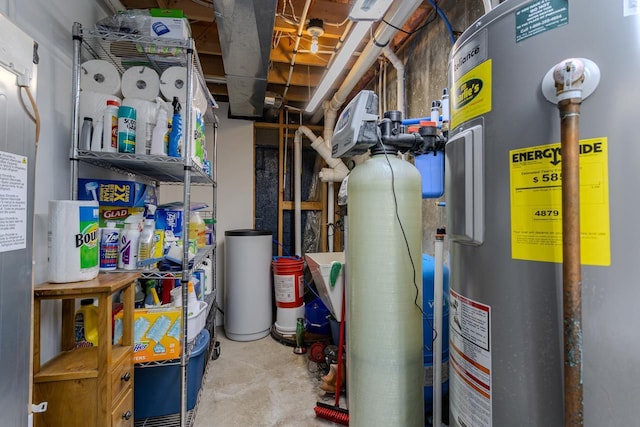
(245, 29)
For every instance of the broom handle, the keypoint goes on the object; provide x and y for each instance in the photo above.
(340, 345)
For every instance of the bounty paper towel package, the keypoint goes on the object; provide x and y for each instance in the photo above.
(74, 249)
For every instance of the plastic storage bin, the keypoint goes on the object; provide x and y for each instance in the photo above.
(316, 317)
(157, 389)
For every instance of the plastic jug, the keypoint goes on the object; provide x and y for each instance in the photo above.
(198, 229)
(86, 324)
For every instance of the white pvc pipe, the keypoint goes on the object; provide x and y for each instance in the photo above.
(336, 174)
(329, 123)
(384, 87)
(335, 164)
(330, 215)
(487, 5)
(333, 175)
(380, 110)
(303, 19)
(438, 281)
(297, 183)
(399, 66)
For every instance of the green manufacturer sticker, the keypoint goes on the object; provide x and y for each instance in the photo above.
(541, 16)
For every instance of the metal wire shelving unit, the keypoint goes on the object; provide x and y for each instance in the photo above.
(123, 51)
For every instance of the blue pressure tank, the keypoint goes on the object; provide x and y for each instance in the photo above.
(428, 270)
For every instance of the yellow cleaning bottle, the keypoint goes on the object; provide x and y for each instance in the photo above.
(86, 324)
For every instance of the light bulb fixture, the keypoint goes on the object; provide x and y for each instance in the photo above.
(315, 29)
(364, 13)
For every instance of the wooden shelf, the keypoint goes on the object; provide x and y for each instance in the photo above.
(78, 363)
(104, 283)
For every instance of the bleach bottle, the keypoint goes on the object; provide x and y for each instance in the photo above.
(146, 245)
(158, 146)
(129, 240)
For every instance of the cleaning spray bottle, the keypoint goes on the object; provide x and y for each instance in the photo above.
(109, 238)
(158, 146)
(176, 129)
(146, 245)
(129, 243)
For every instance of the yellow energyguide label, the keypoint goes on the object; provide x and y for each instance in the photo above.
(472, 94)
(536, 203)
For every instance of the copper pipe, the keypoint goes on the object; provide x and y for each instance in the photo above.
(571, 268)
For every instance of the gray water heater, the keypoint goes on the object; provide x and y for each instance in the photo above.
(504, 214)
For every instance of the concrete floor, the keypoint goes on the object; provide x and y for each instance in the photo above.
(260, 383)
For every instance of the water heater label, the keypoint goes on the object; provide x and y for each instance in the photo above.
(536, 203)
(13, 202)
(541, 16)
(471, 54)
(471, 94)
(470, 361)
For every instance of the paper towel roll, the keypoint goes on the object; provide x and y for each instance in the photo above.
(174, 83)
(141, 82)
(74, 252)
(200, 100)
(145, 121)
(99, 76)
(93, 104)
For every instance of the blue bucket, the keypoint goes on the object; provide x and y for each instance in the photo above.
(316, 314)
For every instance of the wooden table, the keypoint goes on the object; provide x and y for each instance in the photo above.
(90, 386)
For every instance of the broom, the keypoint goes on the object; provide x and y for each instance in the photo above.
(335, 413)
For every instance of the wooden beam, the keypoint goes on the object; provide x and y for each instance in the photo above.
(302, 76)
(139, 4)
(217, 89)
(205, 35)
(287, 28)
(212, 65)
(284, 126)
(283, 53)
(295, 93)
(288, 205)
(193, 11)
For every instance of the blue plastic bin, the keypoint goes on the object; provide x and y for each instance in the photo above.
(157, 389)
(316, 317)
